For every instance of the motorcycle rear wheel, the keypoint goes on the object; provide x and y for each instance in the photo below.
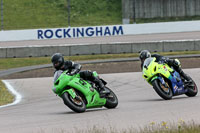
(163, 92)
(75, 104)
(192, 90)
(111, 100)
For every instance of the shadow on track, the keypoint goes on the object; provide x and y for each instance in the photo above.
(87, 111)
(154, 100)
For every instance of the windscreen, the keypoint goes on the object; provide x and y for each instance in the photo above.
(147, 62)
(57, 75)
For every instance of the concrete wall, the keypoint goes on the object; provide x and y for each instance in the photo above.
(100, 31)
(159, 8)
(91, 49)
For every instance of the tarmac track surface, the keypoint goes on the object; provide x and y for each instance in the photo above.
(111, 39)
(41, 111)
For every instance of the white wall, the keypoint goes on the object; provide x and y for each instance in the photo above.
(94, 31)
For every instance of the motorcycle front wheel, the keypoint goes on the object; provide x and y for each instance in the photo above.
(76, 104)
(162, 91)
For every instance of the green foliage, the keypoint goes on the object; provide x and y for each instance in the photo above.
(27, 14)
(156, 128)
(98, 12)
(5, 96)
(8, 63)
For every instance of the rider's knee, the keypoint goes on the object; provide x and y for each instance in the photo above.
(86, 74)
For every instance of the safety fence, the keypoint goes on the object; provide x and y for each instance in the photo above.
(133, 9)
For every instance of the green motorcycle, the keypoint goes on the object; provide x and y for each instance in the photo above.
(79, 94)
(166, 81)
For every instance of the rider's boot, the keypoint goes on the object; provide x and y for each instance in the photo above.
(176, 64)
(102, 90)
(188, 79)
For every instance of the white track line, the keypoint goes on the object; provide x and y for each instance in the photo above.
(18, 96)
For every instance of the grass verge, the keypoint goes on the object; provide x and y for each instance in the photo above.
(5, 96)
(31, 14)
(8, 63)
(163, 127)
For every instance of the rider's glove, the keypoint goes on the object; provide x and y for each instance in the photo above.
(73, 72)
(165, 60)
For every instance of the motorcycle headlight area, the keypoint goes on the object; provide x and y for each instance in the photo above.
(146, 76)
(155, 68)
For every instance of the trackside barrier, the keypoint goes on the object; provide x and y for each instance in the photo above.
(99, 31)
(90, 49)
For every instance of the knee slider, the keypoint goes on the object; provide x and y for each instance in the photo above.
(86, 74)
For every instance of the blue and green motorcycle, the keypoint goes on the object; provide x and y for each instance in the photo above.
(166, 81)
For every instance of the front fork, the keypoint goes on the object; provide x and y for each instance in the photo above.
(71, 92)
(175, 89)
(159, 77)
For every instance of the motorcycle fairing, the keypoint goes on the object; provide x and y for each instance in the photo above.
(177, 83)
(66, 83)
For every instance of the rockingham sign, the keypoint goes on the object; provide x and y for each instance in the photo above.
(58, 33)
(99, 31)
(79, 32)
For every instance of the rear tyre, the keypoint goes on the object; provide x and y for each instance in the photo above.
(162, 91)
(192, 89)
(111, 100)
(75, 104)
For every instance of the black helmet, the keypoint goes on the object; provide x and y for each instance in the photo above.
(144, 54)
(57, 60)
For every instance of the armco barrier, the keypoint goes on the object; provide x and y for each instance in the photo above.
(89, 49)
(179, 46)
(85, 49)
(197, 45)
(3, 53)
(151, 46)
(116, 48)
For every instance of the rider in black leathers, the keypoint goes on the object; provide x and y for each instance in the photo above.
(59, 64)
(144, 54)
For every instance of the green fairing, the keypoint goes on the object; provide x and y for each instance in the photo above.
(95, 74)
(66, 83)
(156, 77)
(154, 68)
(71, 92)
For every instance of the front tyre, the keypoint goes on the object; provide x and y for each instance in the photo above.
(192, 89)
(162, 91)
(75, 104)
(111, 100)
